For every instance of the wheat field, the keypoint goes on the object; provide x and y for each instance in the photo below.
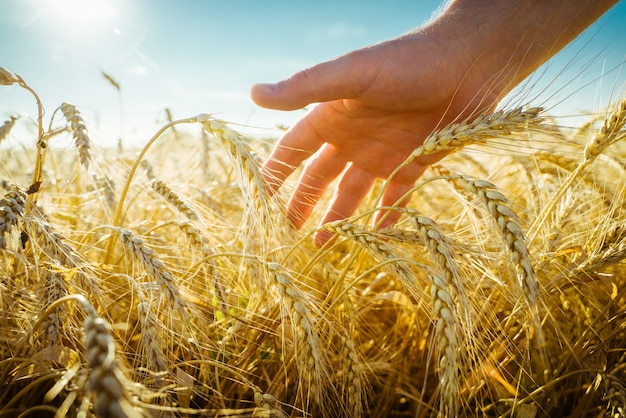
(166, 281)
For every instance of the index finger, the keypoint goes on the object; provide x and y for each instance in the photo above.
(296, 145)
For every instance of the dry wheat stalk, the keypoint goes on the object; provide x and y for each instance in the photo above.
(498, 124)
(153, 345)
(173, 199)
(147, 168)
(308, 348)
(248, 162)
(54, 288)
(53, 245)
(106, 186)
(614, 393)
(352, 371)
(6, 78)
(197, 240)
(157, 269)
(6, 127)
(106, 380)
(267, 406)
(612, 250)
(449, 300)
(511, 231)
(12, 207)
(79, 132)
(610, 133)
(373, 242)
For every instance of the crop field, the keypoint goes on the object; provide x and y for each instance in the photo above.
(165, 281)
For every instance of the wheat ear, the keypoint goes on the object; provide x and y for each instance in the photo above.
(352, 371)
(106, 380)
(373, 242)
(152, 343)
(54, 289)
(267, 406)
(308, 352)
(448, 297)
(196, 239)
(248, 162)
(106, 186)
(12, 207)
(614, 393)
(511, 231)
(157, 269)
(611, 251)
(55, 247)
(79, 132)
(6, 78)
(173, 199)
(456, 136)
(610, 133)
(6, 127)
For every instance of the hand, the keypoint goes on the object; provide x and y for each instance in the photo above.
(378, 105)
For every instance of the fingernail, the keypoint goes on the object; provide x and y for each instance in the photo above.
(266, 88)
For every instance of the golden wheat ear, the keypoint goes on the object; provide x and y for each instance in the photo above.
(106, 380)
(79, 132)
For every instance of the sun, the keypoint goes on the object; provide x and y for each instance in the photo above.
(78, 14)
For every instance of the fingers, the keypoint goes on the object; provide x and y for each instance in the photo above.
(341, 78)
(296, 145)
(320, 171)
(354, 185)
(398, 193)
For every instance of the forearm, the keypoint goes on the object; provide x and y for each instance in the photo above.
(507, 40)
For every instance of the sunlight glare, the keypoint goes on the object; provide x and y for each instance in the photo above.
(72, 14)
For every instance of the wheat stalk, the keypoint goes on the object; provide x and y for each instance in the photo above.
(153, 345)
(502, 123)
(448, 298)
(6, 127)
(54, 288)
(197, 240)
(53, 244)
(106, 186)
(156, 269)
(12, 207)
(79, 132)
(352, 372)
(499, 207)
(249, 163)
(308, 349)
(6, 78)
(610, 133)
(106, 380)
(173, 199)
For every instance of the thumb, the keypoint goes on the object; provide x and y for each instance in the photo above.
(342, 78)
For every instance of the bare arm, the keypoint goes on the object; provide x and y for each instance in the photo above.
(379, 103)
(511, 39)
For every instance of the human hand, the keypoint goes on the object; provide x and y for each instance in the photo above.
(377, 105)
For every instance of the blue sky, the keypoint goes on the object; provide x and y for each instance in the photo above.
(202, 56)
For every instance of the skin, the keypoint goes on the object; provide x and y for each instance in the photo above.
(377, 104)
